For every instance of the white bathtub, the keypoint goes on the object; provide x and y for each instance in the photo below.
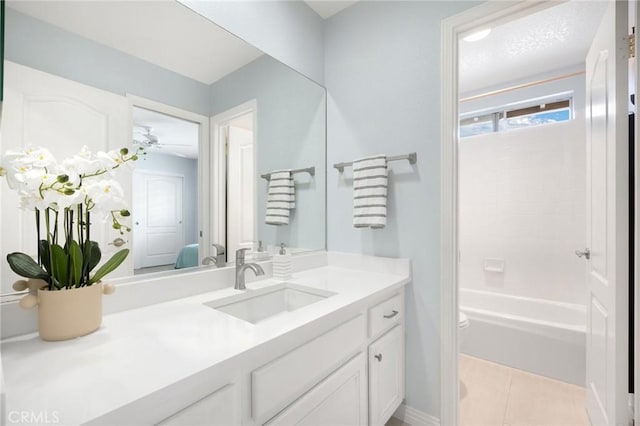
(536, 335)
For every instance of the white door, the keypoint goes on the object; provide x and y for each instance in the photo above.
(607, 220)
(42, 109)
(157, 214)
(240, 189)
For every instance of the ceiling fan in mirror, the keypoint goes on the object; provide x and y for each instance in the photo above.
(143, 137)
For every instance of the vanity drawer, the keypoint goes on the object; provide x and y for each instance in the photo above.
(385, 315)
(221, 408)
(278, 383)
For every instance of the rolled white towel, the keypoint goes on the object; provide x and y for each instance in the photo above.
(281, 198)
(370, 192)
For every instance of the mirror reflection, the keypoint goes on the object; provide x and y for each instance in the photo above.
(213, 114)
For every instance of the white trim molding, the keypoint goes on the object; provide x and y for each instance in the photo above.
(415, 417)
(218, 159)
(203, 154)
(636, 237)
(491, 13)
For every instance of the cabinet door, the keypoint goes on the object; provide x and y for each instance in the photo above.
(386, 376)
(221, 408)
(339, 400)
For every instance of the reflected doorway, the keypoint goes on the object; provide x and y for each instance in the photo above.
(240, 186)
(165, 192)
(234, 179)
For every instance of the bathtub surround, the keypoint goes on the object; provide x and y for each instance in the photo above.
(521, 200)
(521, 196)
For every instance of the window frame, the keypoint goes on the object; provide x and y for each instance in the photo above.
(561, 101)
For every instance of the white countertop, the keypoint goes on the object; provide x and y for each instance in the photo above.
(141, 351)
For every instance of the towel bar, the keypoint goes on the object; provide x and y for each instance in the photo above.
(310, 170)
(412, 157)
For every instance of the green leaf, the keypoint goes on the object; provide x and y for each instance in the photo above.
(75, 254)
(25, 266)
(110, 265)
(59, 264)
(44, 255)
(92, 256)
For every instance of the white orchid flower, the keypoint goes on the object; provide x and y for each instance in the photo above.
(83, 163)
(38, 157)
(105, 194)
(109, 160)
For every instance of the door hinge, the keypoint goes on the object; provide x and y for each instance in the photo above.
(632, 43)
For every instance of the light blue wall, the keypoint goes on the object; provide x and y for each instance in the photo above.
(42, 46)
(287, 30)
(382, 73)
(189, 169)
(290, 135)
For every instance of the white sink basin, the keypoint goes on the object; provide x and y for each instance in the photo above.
(256, 305)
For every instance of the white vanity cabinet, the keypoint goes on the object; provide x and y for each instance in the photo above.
(386, 376)
(349, 372)
(278, 383)
(386, 358)
(220, 408)
(349, 394)
(339, 400)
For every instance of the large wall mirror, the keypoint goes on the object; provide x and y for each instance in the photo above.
(215, 116)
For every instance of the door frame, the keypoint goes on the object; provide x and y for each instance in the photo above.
(218, 156)
(635, 239)
(204, 165)
(491, 13)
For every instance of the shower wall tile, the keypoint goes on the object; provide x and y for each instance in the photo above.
(522, 199)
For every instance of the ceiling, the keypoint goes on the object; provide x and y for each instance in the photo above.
(555, 38)
(175, 136)
(328, 8)
(163, 32)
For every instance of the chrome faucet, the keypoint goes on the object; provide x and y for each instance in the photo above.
(241, 267)
(219, 257)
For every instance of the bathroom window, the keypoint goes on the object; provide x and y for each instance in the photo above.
(519, 116)
(477, 125)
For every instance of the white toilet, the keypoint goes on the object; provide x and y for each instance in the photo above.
(463, 325)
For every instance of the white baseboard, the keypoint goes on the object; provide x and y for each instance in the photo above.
(415, 417)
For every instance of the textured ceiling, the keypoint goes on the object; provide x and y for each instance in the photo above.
(555, 38)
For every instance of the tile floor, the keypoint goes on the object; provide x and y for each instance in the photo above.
(493, 394)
